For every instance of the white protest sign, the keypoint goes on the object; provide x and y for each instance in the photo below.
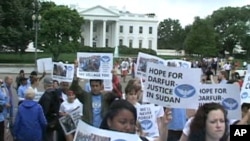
(67, 124)
(85, 132)
(44, 64)
(108, 85)
(141, 65)
(63, 72)
(171, 86)
(146, 116)
(225, 94)
(245, 90)
(70, 121)
(248, 68)
(178, 63)
(95, 65)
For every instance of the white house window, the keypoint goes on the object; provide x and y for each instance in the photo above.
(107, 28)
(150, 44)
(121, 29)
(140, 43)
(150, 30)
(140, 29)
(94, 44)
(130, 29)
(120, 42)
(106, 42)
(130, 43)
(94, 28)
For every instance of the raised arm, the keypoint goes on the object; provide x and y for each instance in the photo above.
(79, 92)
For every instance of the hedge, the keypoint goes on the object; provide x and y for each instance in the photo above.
(29, 57)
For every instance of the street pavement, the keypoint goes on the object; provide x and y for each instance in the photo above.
(40, 88)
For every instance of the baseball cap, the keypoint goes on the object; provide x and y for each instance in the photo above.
(48, 80)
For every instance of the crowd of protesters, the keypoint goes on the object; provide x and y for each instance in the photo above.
(23, 119)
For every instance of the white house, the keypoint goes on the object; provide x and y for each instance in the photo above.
(109, 27)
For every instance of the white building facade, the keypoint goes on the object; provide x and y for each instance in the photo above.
(108, 27)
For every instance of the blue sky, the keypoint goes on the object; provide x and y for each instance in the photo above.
(183, 10)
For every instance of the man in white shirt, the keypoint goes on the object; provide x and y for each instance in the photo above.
(227, 68)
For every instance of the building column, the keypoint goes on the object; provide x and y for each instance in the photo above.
(116, 40)
(104, 34)
(91, 33)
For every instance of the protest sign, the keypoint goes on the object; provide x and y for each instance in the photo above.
(141, 65)
(63, 72)
(146, 116)
(225, 94)
(171, 86)
(95, 65)
(108, 85)
(178, 63)
(85, 132)
(70, 121)
(44, 65)
(248, 68)
(67, 124)
(245, 90)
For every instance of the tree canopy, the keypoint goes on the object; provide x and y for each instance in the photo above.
(60, 28)
(170, 34)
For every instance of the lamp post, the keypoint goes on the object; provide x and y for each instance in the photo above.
(36, 23)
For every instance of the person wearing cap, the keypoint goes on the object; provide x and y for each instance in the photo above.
(68, 106)
(30, 121)
(22, 88)
(50, 102)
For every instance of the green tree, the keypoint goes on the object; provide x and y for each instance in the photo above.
(170, 34)
(15, 27)
(230, 25)
(60, 26)
(201, 39)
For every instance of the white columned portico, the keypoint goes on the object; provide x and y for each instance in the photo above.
(91, 33)
(116, 39)
(104, 34)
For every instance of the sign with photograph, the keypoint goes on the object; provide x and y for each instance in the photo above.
(178, 63)
(85, 132)
(95, 65)
(141, 65)
(63, 72)
(70, 121)
(171, 86)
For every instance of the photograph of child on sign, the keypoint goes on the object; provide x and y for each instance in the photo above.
(171, 64)
(90, 64)
(143, 63)
(68, 124)
(90, 137)
(60, 69)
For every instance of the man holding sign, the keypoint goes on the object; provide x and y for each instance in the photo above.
(95, 103)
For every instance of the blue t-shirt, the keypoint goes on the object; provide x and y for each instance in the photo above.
(179, 119)
(96, 106)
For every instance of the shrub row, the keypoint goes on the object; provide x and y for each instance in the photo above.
(30, 57)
